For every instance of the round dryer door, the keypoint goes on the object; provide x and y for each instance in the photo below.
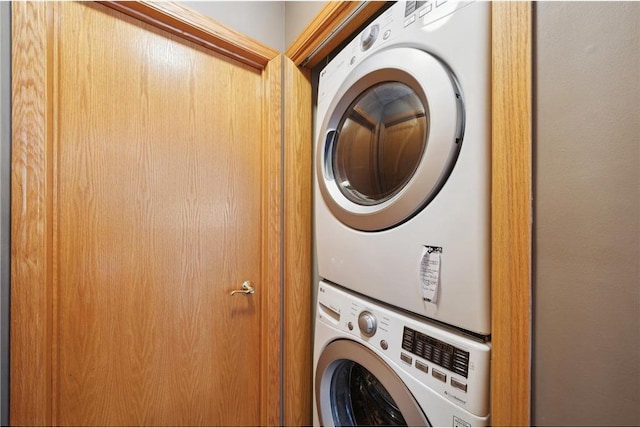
(390, 139)
(354, 387)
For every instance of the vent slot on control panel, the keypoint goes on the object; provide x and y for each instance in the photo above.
(436, 351)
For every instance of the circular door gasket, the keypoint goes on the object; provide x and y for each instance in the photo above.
(436, 89)
(334, 356)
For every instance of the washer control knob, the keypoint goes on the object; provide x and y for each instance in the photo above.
(369, 36)
(367, 323)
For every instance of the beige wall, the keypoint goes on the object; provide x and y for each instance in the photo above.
(586, 348)
(264, 21)
(298, 14)
(275, 23)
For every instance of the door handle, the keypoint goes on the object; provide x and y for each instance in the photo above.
(247, 288)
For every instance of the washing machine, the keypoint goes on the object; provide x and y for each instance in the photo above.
(402, 162)
(376, 366)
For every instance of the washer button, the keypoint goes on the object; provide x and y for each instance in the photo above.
(407, 359)
(439, 375)
(384, 345)
(350, 325)
(461, 386)
(409, 20)
(422, 366)
(386, 34)
(426, 10)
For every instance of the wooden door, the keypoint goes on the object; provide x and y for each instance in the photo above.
(145, 189)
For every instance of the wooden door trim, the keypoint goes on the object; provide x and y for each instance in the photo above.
(31, 211)
(272, 245)
(511, 214)
(197, 28)
(32, 222)
(511, 193)
(297, 322)
(336, 21)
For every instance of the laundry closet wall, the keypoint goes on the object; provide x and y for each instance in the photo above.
(261, 20)
(274, 23)
(586, 289)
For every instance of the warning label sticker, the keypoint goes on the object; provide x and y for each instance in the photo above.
(430, 273)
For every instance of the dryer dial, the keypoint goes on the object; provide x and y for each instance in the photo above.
(367, 323)
(369, 36)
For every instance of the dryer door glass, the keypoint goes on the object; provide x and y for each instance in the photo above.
(380, 141)
(358, 398)
(389, 139)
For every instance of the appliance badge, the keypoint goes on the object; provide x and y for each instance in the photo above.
(457, 422)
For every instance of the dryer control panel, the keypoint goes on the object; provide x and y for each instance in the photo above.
(408, 24)
(426, 12)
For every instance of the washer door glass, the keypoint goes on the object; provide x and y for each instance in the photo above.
(358, 398)
(355, 387)
(379, 143)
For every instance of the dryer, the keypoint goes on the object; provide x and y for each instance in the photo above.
(374, 366)
(402, 162)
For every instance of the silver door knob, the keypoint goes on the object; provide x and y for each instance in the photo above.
(247, 288)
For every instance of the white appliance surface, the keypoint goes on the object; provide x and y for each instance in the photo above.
(425, 248)
(416, 352)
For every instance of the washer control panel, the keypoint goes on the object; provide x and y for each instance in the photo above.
(454, 365)
(436, 351)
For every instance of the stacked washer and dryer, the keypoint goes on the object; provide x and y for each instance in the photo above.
(402, 215)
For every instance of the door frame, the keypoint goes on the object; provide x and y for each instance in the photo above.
(33, 284)
(510, 199)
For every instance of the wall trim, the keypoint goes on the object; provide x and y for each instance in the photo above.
(272, 252)
(200, 29)
(297, 299)
(336, 21)
(31, 308)
(511, 213)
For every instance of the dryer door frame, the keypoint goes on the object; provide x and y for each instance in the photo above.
(441, 97)
(348, 350)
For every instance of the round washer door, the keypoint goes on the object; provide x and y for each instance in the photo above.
(390, 139)
(354, 387)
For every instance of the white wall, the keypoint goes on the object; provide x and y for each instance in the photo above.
(586, 347)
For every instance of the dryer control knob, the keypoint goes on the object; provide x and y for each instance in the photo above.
(367, 323)
(369, 36)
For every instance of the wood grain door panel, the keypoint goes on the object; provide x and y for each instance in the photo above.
(155, 175)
